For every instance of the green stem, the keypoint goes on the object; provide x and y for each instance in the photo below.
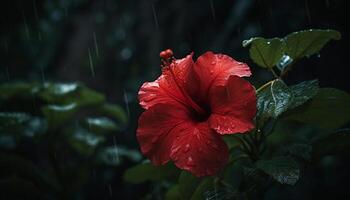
(264, 86)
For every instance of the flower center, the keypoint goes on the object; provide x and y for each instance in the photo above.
(167, 63)
(201, 116)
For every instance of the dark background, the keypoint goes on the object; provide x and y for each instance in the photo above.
(113, 46)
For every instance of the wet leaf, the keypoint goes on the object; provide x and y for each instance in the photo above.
(148, 172)
(265, 52)
(84, 141)
(58, 114)
(57, 92)
(114, 111)
(299, 150)
(283, 169)
(308, 42)
(274, 100)
(303, 91)
(329, 109)
(113, 155)
(10, 90)
(100, 124)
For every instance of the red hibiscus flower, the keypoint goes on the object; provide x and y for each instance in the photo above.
(190, 106)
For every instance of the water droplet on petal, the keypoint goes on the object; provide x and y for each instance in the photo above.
(190, 161)
(187, 148)
(211, 71)
(213, 63)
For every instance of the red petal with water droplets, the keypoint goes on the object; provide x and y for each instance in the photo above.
(233, 106)
(199, 149)
(156, 130)
(214, 69)
(165, 89)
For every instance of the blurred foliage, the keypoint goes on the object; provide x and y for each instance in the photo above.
(67, 128)
(60, 138)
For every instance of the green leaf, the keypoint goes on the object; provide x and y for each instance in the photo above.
(193, 188)
(114, 111)
(329, 109)
(84, 141)
(265, 52)
(188, 184)
(58, 114)
(303, 91)
(148, 172)
(283, 169)
(10, 120)
(58, 92)
(113, 155)
(308, 42)
(68, 93)
(173, 193)
(100, 124)
(335, 143)
(299, 150)
(10, 90)
(273, 100)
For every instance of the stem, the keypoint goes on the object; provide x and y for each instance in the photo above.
(274, 73)
(264, 86)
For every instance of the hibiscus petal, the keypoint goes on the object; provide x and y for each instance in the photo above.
(166, 89)
(154, 132)
(214, 69)
(233, 106)
(198, 149)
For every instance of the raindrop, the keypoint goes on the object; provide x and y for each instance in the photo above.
(268, 42)
(318, 55)
(212, 9)
(26, 26)
(110, 190)
(155, 16)
(187, 148)
(42, 75)
(36, 18)
(307, 10)
(116, 149)
(96, 46)
(213, 63)
(91, 64)
(190, 161)
(211, 71)
(126, 104)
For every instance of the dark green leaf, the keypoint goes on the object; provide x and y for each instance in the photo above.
(273, 100)
(10, 119)
(114, 111)
(173, 193)
(329, 109)
(283, 169)
(299, 150)
(188, 184)
(265, 52)
(303, 91)
(334, 143)
(149, 172)
(100, 124)
(84, 141)
(59, 114)
(9, 90)
(306, 43)
(112, 155)
(58, 92)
